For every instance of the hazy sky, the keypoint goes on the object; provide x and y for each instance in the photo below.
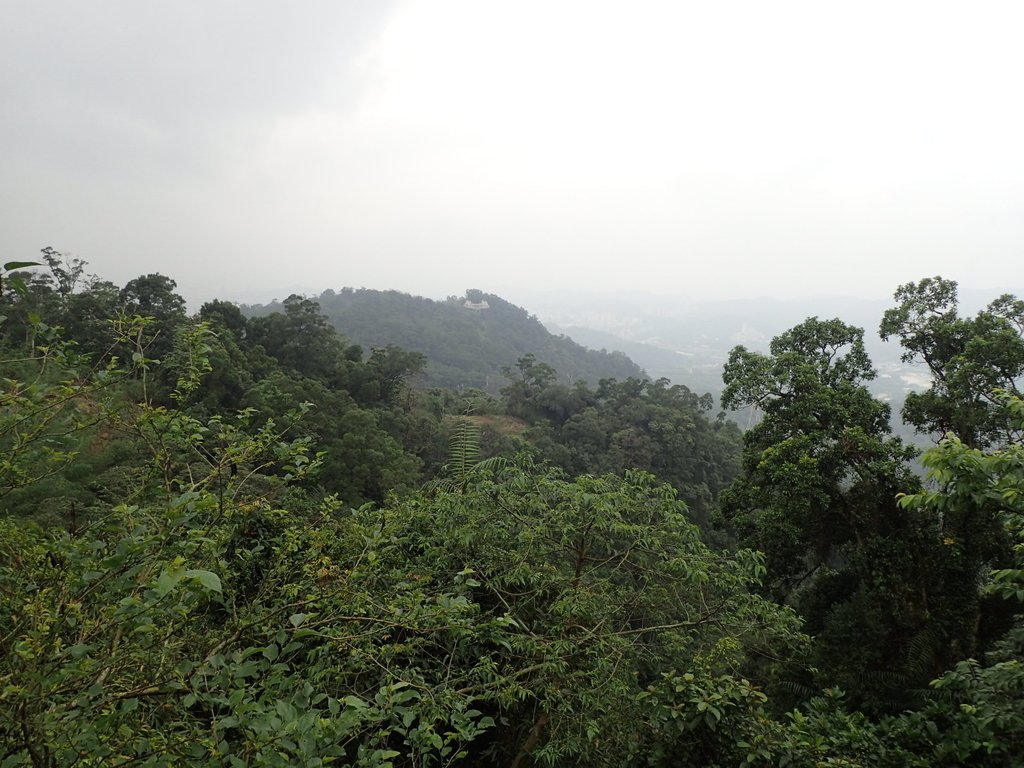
(710, 148)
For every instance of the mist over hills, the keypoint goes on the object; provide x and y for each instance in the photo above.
(587, 336)
(467, 340)
(688, 341)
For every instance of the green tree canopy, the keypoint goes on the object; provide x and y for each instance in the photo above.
(970, 360)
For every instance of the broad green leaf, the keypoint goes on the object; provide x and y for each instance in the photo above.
(79, 650)
(168, 580)
(208, 579)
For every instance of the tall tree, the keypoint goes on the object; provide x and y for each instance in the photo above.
(818, 496)
(154, 296)
(67, 271)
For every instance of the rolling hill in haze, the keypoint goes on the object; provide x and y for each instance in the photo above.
(688, 341)
(467, 340)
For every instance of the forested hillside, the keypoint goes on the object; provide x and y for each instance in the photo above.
(231, 540)
(464, 347)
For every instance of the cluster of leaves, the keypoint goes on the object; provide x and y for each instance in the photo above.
(164, 634)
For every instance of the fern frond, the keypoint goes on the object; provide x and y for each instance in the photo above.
(463, 450)
(922, 651)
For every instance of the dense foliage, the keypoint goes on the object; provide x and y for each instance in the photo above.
(654, 425)
(248, 541)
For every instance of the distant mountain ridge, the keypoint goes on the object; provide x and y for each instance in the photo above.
(467, 340)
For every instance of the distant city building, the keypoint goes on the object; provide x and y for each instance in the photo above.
(477, 305)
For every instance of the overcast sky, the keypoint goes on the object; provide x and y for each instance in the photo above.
(710, 148)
